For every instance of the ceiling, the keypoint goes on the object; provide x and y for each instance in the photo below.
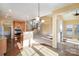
(70, 15)
(28, 10)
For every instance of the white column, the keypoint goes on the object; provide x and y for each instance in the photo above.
(54, 31)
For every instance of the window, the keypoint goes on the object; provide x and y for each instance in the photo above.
(77, 30)
(1, 32)
(69, 31)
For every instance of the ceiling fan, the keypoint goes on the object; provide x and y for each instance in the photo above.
(77, 13)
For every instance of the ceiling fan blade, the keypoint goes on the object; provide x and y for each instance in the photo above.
(76, 14)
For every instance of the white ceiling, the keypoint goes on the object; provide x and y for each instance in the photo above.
(24, 10)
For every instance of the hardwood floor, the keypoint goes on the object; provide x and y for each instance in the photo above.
(42, 39)
(12, 51)
(42, 49)
(66, 49)
(37, 50)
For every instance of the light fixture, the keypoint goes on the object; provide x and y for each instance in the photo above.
(42, 21)
(37, 18)
(9, 13)
(38, 11)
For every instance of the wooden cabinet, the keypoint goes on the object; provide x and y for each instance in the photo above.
(3, 46)
(23, 26)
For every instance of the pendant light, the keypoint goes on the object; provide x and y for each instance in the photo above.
(38, 15)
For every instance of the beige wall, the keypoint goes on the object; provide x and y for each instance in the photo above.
(3, 41)
(72, 22)
(54, 15)
(47, 25)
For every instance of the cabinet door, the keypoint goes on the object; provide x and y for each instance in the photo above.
(21, 24)
(3, 46)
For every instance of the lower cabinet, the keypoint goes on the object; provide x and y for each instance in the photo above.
(3, 46)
